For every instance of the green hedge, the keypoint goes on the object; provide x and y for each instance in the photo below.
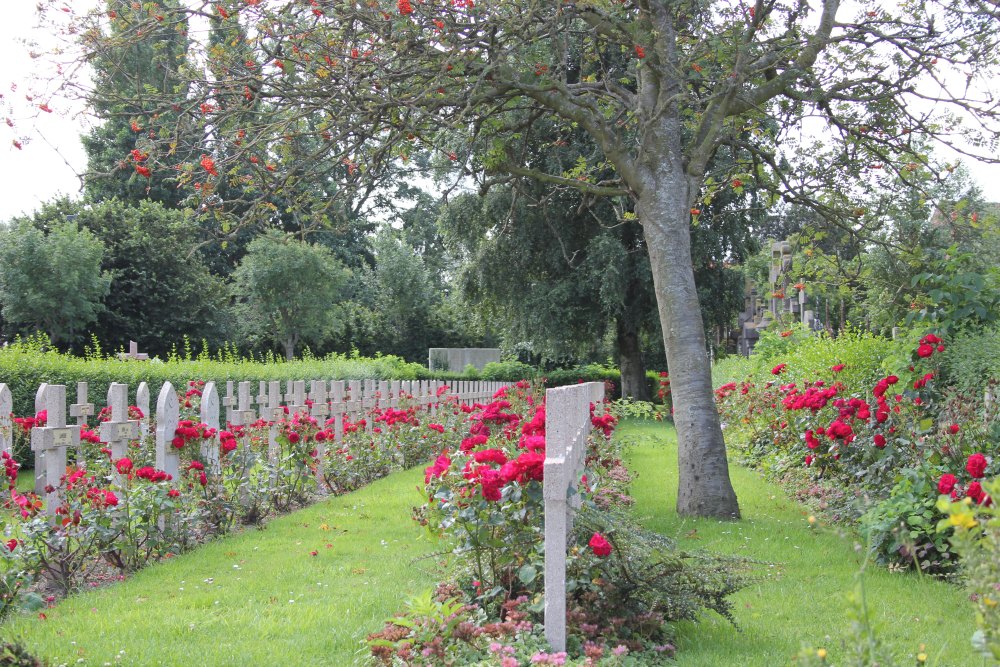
(24, 367)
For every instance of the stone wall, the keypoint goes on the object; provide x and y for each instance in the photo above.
(455, 359)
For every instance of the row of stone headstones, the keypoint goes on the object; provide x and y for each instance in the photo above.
(567, 425)
(336, 399)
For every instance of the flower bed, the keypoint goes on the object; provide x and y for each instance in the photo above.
(862, 427)
(625, 585)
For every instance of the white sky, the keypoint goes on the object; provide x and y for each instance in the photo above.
(49, 163)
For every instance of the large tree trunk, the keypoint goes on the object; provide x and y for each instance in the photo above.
(704, 488)
(630, 362)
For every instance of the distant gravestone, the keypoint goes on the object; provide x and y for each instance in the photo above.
(244, 415)
(133, 353)
(119, 430)
(338, 408)
(167, 416)
(295, 397)
(455, 359)
(82, 409)
(6, 419)
(229, 402)
(53, 440)
(320, 410)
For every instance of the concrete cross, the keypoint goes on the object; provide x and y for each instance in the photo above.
(277, 413)
(368, 402)
(382, 399)
(295, 397)
(133, 352)
(81, 409)
(6, 419)
(244, 414)
(210, 417)
(338, 408)
(229, 402)
(261, 401)
(119, 430)
(320, 401)
(142, 402)
(320, 409)
(394, 390)
(356, 404)
(53, 439)
(168, 412)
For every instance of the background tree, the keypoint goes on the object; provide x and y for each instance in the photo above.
(660, 87)
(288, 291)
(51, 280)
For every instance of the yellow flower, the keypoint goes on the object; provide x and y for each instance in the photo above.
(821, 654)
(989, 602)
(812, 520)
(921, 657)
(962, 519)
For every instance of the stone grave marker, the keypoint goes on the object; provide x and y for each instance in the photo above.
(229, 403)
(210, 417)
(168, 412)
(82, 410)
(295, 397)
(119, 430)
(142, 402)
(320, 410)
(39, 453)
(338, 408)
(52, 440)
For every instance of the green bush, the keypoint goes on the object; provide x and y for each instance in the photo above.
(971, 362)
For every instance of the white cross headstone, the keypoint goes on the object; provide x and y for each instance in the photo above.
(119, 430)
(229, 403)
(6, 419)
(368, 403)
(168, 412)
(244, 414)
(394, 389)
(53, 439)
(338, 407)
(142, 402)
(295, 397)
(277, 413)
(81, 409)
(320, 409)
(355, 404)
(210, 417)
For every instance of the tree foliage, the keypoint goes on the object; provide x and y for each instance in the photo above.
(289, 291)
(51, 280)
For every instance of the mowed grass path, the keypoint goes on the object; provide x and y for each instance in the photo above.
(805, 596)
(259, 597)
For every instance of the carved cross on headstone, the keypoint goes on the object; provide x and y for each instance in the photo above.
(119, 430)
(81, 409)
(295, 397)
(261, 401)
(210, 417)
(168, 412)
(39, 453)
(142, 402)
(6, 419)
(229, 403)
(53, 439)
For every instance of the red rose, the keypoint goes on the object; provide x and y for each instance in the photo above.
(947, 483)
(11, 544)
(492, 483)
(600, 546)
(124, 465)
(173, 493)
(953, 429)
(976, 465)
(293, 437)
(196, 465)
(837, 368)
(879, 440)
(975, 491)
(202, 478)
(778, 369)
(925, 350)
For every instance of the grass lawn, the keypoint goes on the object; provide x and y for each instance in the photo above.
(815, 569)
(259, 597)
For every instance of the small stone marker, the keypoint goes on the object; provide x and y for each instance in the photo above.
(244, 415)
(167, 415)
(119, 430)
(53, 439)
(277, 413)
(355, 404)
(6, 419)
(142, 402)
(368, 402)
(394, 390)
(210, 417)
(261, 401)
